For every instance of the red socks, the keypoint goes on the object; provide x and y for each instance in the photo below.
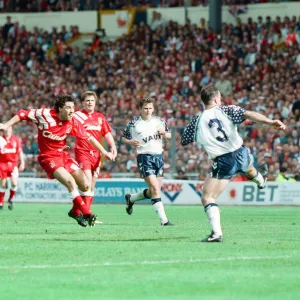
(2, 195)
(80, 206)
(88, 200)
(11, 195)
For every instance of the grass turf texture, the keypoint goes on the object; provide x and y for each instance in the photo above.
(46, 255)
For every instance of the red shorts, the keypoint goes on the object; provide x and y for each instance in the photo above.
(51, 163)
(88, 161)
(8, 169)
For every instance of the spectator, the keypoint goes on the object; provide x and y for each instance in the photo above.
(156, 20)
(181, 175)
(240, 177)
(7, 26)
(224, 85)
(282, 176)
(14, 30)
(104, 174)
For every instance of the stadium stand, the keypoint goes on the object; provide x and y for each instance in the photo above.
(80, 5)
(255, 65)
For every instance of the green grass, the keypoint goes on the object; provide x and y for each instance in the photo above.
(45, 255)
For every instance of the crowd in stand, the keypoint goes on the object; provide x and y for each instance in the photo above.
(79, 5)
(255, 65)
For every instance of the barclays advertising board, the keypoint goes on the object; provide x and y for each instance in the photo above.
(115, 191)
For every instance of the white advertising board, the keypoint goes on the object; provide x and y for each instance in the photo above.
(87, 21)
(181, 192)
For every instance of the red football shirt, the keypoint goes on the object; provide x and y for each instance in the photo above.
(95, 124)
(52, 132)
(10, 149)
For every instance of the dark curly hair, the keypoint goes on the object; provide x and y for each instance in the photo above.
(61, 100)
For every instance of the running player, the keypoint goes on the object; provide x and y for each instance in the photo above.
(54, 125)
(86, 155)
(146, 134)
(10, 154)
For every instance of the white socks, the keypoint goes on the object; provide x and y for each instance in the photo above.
(259, 180)
(213, 214)
(82, 193)
(156, 203)
(160, 210)
(74, 194)
(138, 196)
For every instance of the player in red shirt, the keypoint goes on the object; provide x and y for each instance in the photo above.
(54, 125)
(10, 153)
(96, 124)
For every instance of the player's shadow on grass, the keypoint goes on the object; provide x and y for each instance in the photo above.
(150, 239)
(120, 240)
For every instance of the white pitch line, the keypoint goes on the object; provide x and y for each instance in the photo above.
(158, 262)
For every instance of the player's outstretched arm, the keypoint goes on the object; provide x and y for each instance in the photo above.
(100, 148)
(14, 120)
(22, 161)
(261, 119)
(111, 142)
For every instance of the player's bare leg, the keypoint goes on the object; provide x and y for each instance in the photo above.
(259, 176)
(211, 190)
(13, 190)
(154, 184)
(68, 180)
(87, 196)
(94, 180)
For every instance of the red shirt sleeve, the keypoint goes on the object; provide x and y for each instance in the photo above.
(78, 130)
(24, 114)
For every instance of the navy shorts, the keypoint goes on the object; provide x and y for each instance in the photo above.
(227, 165)
(150, 164)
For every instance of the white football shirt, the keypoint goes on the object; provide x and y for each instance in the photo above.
(145, 131)
(215, 130)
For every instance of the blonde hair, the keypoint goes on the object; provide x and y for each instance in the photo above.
(88, 93)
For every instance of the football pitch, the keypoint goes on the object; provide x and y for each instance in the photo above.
(46, 255)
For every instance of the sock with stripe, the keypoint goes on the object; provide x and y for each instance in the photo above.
(88, 200)
(78, 204)
(86, 197)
